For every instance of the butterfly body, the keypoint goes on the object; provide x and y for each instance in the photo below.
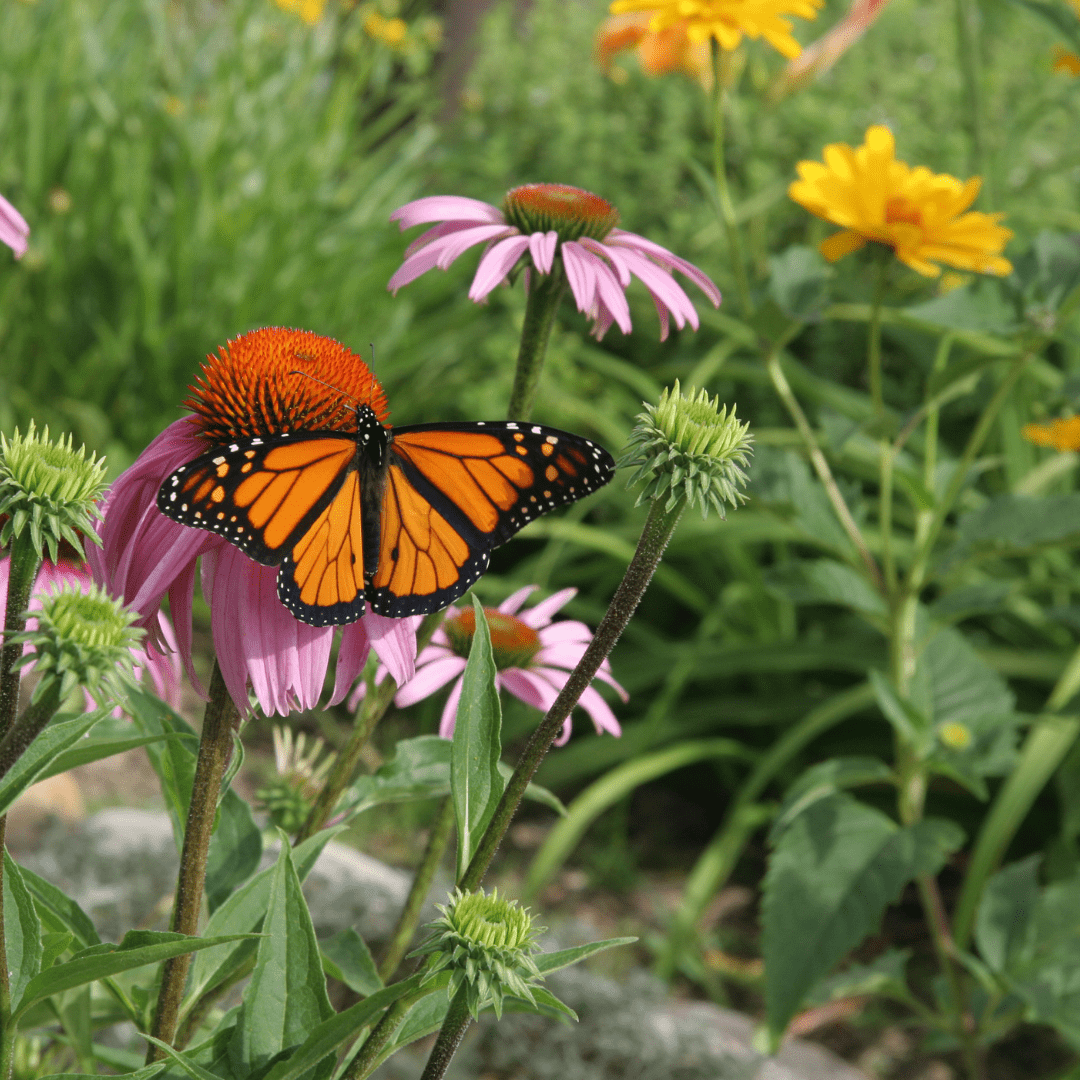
(402, 519)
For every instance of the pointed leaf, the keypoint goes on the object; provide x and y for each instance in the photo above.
(286, 997)
(556, 961)
(475, 780)
(1005, 912)
(196, 1072)
(348, 959)
(58, 911)
(824, 779)
(147, 1072)
(235, 849)
(54, 945)
(22, 931)
(830, 878)
(910, 724)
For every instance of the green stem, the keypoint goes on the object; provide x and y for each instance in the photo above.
(8, 1028)
(545, 292)
(727, 209)
(23, 566)
(441, 830)
(821, 466)
(970, 57)
(873, 349)
(369, 1055)
(28, 726)
(658, 530)
(450, 1036)
(372, 708)
(220, 720)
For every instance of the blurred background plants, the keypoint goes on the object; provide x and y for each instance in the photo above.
(193, 170)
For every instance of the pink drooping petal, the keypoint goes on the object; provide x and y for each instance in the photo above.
(540, 615)
(529, 686)
(13, 228)
(598, 709)
(449, 713)
(442, 252)
(445, 208)
(664, 316)
(162, 666)
(429, 678)
(542, 248)
(579, 272)
(497, 262)
(609, 294)
(563, 654)
(352, 655)
(436, 231)
(665, 289)
(620, 238)
(612, 255)
(568, 630)
(512, 604)
(181, 594)
(394, 642)
(602, 323)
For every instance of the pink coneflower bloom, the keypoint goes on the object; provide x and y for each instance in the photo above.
(534, 657)
(13, 228)
(159, 664)
(145, 556)
(552, 228)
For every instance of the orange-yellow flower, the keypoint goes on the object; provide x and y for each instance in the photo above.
(1065, 61)
(659, 53)
(308, 10)
(727, 20)
(919, 214)
(1060, 434)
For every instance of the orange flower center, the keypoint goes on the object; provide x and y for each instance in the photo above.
(569, 211)
(899, 209)
(513, 643)
(276, 380)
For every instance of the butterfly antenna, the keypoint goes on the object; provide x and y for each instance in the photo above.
(331, 386)
(371, 346)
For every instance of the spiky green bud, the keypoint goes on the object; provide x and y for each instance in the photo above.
(287, 799)
(82, 639)
(50, 487)
(487, 944)
(690, 448)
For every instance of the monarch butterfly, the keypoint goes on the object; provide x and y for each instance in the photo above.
(402, 519)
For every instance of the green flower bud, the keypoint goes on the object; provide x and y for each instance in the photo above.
(50, 487)
(82, 639)
(288, 798)
(487, 944)
(690, 448)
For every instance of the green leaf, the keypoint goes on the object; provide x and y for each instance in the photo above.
(111, 736)
(826, 581)
(798, 281)
(242, 914)
(425, 1017)
(830, 878)
(54, 945)
(978, 307)
(58, 910)
(136, 950)
(331, 1033)
(196, 1072)
(906, 720)
(1014, 525)
(147, 1072)
(562, 958)
(235, 849)
(22, 931)
(348, 959)
(286, 997)
(825, 779)
(60, 734)
(475, 781)
(884, 976)
(419, 769)
(1005, 912)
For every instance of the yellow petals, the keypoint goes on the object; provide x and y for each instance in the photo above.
(310, 11)
(726, 20)
(919, 214)
(1065, 61)
(1060, 434)
(389, 31)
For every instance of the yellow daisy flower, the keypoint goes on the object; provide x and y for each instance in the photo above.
(919, 214)
(727, 20)
(1060, 434)
(1066, 62)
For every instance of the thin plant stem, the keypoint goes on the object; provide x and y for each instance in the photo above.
(450, 1035)
(372, 709)
(369, 1055)
(658, 530)
(220, 720)
(727, 209)
(885, 508)
(873, 345)
(28, 726)
(441, 830)
(821, 466)
(545, 292)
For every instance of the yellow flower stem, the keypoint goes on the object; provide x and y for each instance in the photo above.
(821, 466)
(727, 209)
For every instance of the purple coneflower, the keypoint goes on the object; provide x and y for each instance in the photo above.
(158, 661)
(534, 657)
(13, 228)
(145, 557)
(545, 226)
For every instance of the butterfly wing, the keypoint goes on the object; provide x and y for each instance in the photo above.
(455, 491)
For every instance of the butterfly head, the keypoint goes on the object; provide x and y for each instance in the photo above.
(277, 381)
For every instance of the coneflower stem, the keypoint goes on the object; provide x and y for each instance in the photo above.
(545, 292)
(373, 707)
(23, 566)
(450, 1036)
(28, 726)
(658, 530)
(723, 194)
(220, 720)
(441, 829)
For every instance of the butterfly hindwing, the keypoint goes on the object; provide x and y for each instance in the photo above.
(455, 491)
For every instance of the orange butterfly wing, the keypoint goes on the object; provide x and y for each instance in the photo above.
(455, 491)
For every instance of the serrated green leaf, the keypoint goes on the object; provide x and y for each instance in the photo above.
(475, 781)
(1010, 525)
(826, 581)
(136, 950)
(22, 931)
(830, 878)
(546, 963)
(1005, 912)
(286, 997)
(824, 779)
(348, 959)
